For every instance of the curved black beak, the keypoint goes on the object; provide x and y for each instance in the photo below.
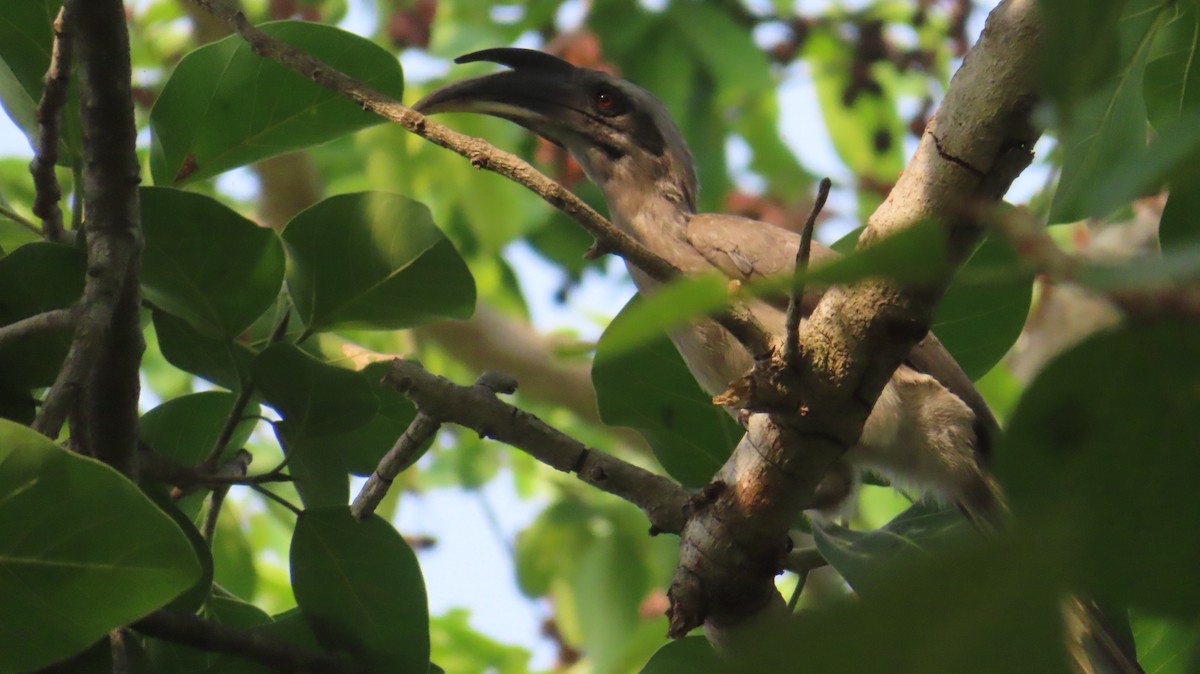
(537, 84)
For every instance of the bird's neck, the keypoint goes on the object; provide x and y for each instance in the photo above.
(654, 214)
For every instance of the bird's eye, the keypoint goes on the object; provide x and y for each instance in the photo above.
(608, 101)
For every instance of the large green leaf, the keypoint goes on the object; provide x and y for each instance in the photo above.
(992, 610)
(1074, 61)
(320, 474)
(690, 655)
(313, 397)
(1108, 124)
(374, 260)
(82, 551)
(984, 309)
(205, 263)
(186, 428)
(361, 448)
(1102, 448)
(221, 360)
(359, 586)
(1172, 80)
(224, 106)
(34, 278)
(649, 388)
(1166, 647)
(868, 559)
(26, 38)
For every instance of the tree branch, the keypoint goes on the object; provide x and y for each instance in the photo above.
(49, 117)
(975, 145)
(100, 372)
(482, 155)
(49, 321)
(1039, 253)
(192, 630)
(477, 407)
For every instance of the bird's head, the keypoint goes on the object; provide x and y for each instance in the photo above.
(617, 131)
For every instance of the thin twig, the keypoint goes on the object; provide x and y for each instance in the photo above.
(49, 116)
(50, 321)
(398, 458)
(237, 413)
(739, 321)
(235, 467)
(206, 635)
(276, 498)
(791, 348)
(477, 407)
(21, 220)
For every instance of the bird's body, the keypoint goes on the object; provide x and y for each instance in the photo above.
(929, 430)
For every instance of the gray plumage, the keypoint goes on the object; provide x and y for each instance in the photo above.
(930, 429)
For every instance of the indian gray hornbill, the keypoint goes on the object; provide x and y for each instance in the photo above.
(930, 429)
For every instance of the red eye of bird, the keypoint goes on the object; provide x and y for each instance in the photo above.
(607, 101)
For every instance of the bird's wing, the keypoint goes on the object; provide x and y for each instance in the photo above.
(751, 250)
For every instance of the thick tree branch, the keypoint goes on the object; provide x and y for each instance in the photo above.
(977, 142)
(482, 155)
(50, 321)
(192, 630)
(477, 407)
(100, 375)
(49, 117)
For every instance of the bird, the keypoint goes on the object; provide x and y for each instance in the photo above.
(930, 431)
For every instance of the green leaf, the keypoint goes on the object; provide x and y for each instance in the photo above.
(868, 559)
(313, 397)
(374, 260)
(1075, 62)
(1166, 647)
(649, 388)
(459, 648)
(186, 428)
(550, 547)
(1103, 448)
(223, 361)
(318, 470)
(26, 38)
(984, 310)
(1172, 81)
(991, 610)
(690, 655)
(34, 278)
(76, 562)
(363, 447)
(225, 106)
(185, 234)
(1174, 151)
(1109, 123)
(1179, 228)
(359, 586)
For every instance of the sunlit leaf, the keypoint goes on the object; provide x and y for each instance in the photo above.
(374, 260)
(224, 106)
